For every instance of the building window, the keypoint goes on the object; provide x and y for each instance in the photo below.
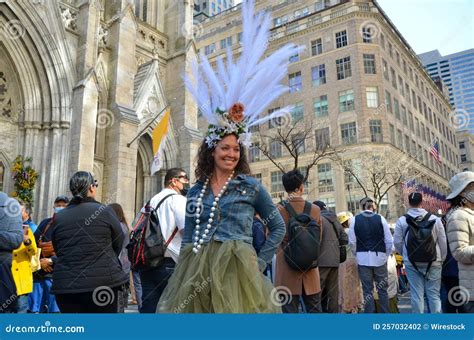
(298, 143)
(369, 64)
(325, 177)
(463, 158)
(346, 101)
(318, 75)
(417, 127)
(275, 149)
(399, 139)
(349, 133)
(341, 39)
(413, 99)
(396, 108)
(321, 106)
(404, 116)
(145, 10)
(376, 131)
(367, 34)
(275, 122)
(254, 153)
(209, 49)
(388, 102)
(410, 121)
(295, 58)
(316, 47)
(382, 40)
(394, 77)
(462, 145)
(322, 138)
(397, 55)
(392, 134)
(385, 70)
(407, 144)
(239, 37)
(276, 180)
(390, 49)
(343, 67)
(297, 112)
(372, 97)
(400, 83)
(295, 82)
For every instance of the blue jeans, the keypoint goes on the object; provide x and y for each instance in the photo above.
(41, 300)
(137, 285)
(154, 282)
(378, 275)
(421, 285)
(21, 304)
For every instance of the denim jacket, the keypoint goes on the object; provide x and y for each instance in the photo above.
(234, 215)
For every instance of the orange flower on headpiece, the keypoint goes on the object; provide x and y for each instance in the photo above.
(236, 112)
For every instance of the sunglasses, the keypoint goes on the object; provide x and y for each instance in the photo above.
(95, 184)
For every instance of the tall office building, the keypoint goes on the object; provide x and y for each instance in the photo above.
(457, 72)
(360, 84)
(209, 8)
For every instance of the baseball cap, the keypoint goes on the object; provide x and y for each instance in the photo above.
(321, 205)
(61, 198)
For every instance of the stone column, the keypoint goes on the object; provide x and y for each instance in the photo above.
(120, 162)
(85, 94)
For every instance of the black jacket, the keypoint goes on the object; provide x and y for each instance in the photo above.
(87, 239)
(329, 252)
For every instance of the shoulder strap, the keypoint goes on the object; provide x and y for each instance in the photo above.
(290, 209)
(307, 208)
(162, 200)
(47, 227)
(426, 217)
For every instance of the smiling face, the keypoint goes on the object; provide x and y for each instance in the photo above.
(227, 154)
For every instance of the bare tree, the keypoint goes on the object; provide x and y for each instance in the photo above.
(294, 138)
(380, 171)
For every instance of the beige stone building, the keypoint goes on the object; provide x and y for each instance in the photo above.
(362, 86)
(466, 150)
(80, 79)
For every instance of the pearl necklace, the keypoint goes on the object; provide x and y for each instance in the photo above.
(199, 239)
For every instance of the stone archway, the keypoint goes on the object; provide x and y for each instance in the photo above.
(40, 119)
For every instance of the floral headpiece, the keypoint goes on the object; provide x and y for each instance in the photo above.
(233, 98)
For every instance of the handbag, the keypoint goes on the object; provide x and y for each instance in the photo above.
(35, 262)
(342, 248)
(47, 248)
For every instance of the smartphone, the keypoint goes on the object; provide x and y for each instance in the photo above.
(25, 229)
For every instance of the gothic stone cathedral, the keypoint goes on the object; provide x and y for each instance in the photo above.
(80, 78)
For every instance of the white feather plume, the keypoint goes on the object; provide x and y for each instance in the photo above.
(254, 80)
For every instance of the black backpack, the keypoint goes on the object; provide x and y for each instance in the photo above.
(419, 240)
(304, 239)
(147, 246)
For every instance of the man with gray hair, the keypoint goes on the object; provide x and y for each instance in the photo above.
(11, 237)
(371, 242)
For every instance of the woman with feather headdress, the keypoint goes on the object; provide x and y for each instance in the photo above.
(218, 270)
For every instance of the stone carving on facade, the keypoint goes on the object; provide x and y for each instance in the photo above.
(103, 37)
(69, 18)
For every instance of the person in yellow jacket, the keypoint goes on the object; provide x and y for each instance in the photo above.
(21, 269)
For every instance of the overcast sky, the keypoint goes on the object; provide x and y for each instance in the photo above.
(444, 25)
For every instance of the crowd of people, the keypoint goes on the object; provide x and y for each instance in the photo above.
(231, 252)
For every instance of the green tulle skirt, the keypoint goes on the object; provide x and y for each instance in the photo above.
(222, 278)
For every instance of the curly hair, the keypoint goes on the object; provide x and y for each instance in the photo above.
(205, 162)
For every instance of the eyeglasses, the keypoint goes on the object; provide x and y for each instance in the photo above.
(183, 176)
